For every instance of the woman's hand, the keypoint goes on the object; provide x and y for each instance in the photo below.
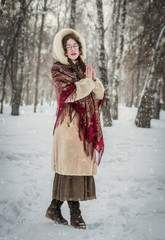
(90, 73)
(93, 75)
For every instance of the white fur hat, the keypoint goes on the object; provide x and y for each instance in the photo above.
(58, 51)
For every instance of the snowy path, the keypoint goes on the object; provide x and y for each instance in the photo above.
(130, 183)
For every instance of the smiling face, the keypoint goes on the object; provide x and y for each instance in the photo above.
(72, 48)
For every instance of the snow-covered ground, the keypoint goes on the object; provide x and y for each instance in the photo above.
(130, 183)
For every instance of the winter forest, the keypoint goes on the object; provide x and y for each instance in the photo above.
(125, 41)
(125, 44)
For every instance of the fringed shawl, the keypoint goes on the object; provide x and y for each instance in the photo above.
(87, 108)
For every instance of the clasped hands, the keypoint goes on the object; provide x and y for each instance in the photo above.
(90, 73)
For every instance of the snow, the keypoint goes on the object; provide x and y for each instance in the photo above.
(130, 202)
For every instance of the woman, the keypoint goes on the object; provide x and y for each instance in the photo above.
(78, 140)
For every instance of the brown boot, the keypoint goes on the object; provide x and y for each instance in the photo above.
(54, 212)
(76, 219)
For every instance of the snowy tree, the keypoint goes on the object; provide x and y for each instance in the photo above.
(150, 88)
(153, 53)
(102, 64)
(17, 87)
(39, 54)
(117, 47)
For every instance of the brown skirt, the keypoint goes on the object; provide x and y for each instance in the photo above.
(73, 188)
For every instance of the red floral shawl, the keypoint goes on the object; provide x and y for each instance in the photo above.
(87, 108)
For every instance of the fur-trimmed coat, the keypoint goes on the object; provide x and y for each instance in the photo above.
(68, 155)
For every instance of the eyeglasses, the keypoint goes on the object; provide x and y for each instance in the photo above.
(75, 46)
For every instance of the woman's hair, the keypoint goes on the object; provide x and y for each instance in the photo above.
(82, 64)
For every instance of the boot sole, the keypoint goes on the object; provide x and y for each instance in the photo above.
(47, 215)
(78, 227)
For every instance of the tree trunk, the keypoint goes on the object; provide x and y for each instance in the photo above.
(118, 26)
(137, 88)
(27, 90)
(33, 57)
(29, 59)
(115, 37)
(51, 94)
(3, 87)
(114, 101)
(17, 90)
(163, 95)
(73, 14)
(42, 97)
(131, 102)
(39, 56)
(2, 73)
(102, 65)
(156, 102)
(1, 36)
(162, 100)
(144, 114)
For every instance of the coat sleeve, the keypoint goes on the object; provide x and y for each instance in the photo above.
(83, 88)
(98, 89)
(61, 82)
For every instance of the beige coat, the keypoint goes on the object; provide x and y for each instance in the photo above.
(68, 156)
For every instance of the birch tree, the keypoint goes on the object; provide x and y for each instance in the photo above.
(102, 64)
(17, 88)
(143, 117)
(1, 35)
(3, 49)
(117, 48)
(39, 56)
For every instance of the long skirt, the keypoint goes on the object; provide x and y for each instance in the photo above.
(73, 188)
